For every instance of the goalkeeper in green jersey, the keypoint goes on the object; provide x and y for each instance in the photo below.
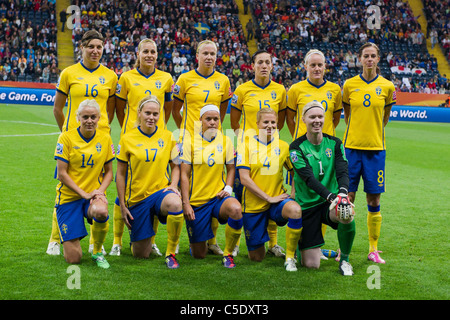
(321, 187)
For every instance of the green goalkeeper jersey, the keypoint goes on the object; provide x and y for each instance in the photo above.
(320, 170)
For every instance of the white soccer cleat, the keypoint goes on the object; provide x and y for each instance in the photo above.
(235, 251)
(277, 251)
(215, 249)
(345, 268)
(54, 249)
(289, 265)
(115, 250)
(155, 250)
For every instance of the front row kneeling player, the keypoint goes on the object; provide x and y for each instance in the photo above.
(321, 179)
(84, 165)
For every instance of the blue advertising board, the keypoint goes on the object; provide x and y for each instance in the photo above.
(10, 95)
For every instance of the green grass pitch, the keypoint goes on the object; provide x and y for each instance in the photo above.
(414, 236)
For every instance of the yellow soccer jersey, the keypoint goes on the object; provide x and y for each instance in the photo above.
(303, 92)
(148, 157)
(367, 101)
(249, 98)
(266, 163)
(79, 83)
(196, 91)
(134, 85)
(208, 160)
(86, 159)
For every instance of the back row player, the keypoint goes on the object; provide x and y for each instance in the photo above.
(197, 88)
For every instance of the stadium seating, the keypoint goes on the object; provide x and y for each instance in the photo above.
(27, 26)
(287, 28)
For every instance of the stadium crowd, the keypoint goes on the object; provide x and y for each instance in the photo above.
(290, 28)
(28, 49)
(286, 28)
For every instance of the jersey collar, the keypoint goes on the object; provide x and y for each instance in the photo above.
(87, 140)
(268, 84)
(90, 70)
(147, 135)
(324, 82)
(206, 77)
(142, 74)
(264, 143)
(362, 78)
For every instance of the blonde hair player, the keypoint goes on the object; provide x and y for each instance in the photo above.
(84, 164)
(147, 151)
(144, 80)
(260, 162)
(320, 187)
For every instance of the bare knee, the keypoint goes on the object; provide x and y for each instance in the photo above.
(72, 252)
(199, 250)
(172, 203)
(233, 209)
(311, 258)
(258, 254)
(292, 210)
(99, 210)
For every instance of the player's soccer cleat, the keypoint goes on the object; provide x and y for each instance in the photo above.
(228, 262)
(54, 249)
(115, 250)
(172, 262)
(374, 256)
(345, 268)
(235, 251)
(215, 249)
(91, 249)
(277, 251)
(155, 250)
(289, 265)
(100, 260)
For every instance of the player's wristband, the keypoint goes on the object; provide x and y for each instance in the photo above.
(228, 189)
(331, 197)
(343, 190)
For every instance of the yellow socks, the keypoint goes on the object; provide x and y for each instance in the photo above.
(118, 225)
(99, 230)
(374, 226)
(233, 232)
(155, 228)
(293, 232)
(324, 229)
(54, 237)
(214, 227)
(174, 226)
(272, 229)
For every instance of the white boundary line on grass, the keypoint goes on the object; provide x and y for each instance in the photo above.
(31, 134)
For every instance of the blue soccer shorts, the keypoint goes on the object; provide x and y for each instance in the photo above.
(70, 217)
(368, 164)
(255, 224)
(199, 230)
(143, 214)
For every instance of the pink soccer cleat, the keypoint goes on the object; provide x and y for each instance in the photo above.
(375, 257)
